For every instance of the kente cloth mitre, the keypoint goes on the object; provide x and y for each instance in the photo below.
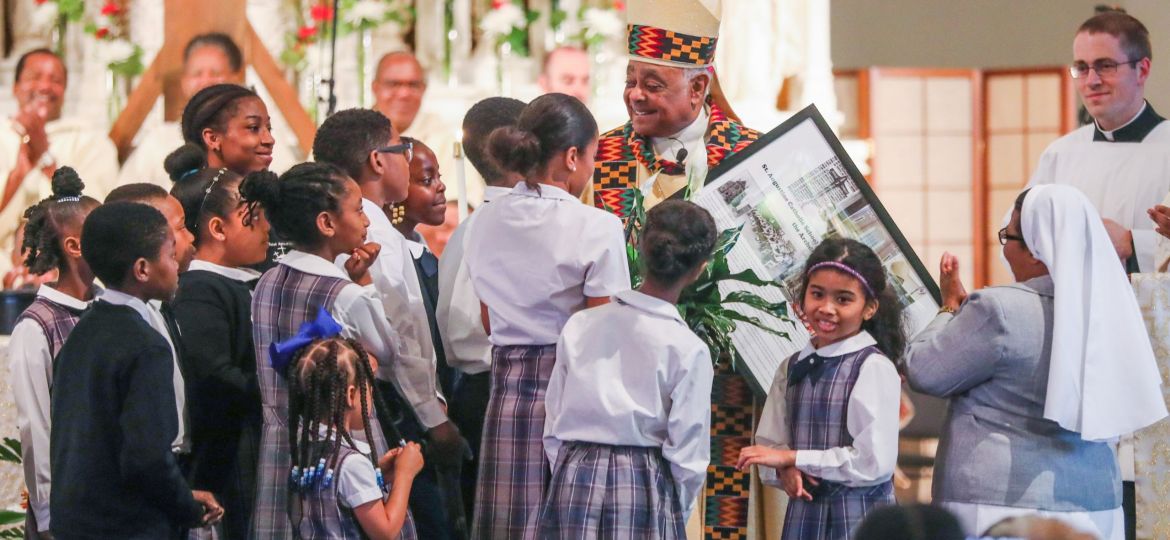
(678, 33)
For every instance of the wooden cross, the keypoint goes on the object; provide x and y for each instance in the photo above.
(183, 20)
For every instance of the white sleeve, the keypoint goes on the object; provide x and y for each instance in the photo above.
(873, 424)
(357, 483)
(773, 427)
(688, 427)
(552, 399)
(1145, 247)
(360, 312)
(1044, 173)
(31, 368)
(608, 270)
(458, 313)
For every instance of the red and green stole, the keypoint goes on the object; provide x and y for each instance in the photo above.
(620, 151)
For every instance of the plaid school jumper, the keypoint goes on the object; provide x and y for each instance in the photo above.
(321, 516)
(284, 298)
(56, 321)
(602, 491)
(513, 470)
(817, 414)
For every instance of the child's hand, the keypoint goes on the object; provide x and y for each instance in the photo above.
(793, 482)
(386, 462)
(409, 462)
(359, 263)
(212, 511)
(953, 291)
(767, 456)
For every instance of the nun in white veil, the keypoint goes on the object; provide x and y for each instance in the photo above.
(1042, 375)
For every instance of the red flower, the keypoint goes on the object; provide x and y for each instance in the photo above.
(619, 5)
(110, 8)
(321, 12)
(39, 2)
(497, 4)
(304, 33)
(101, 33)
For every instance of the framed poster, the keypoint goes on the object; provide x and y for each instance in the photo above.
(788, 191)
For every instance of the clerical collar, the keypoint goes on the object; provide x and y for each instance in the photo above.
(667, 147)
(1133, 131)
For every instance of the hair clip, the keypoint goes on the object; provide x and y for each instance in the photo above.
(69, 198)
(188, 173)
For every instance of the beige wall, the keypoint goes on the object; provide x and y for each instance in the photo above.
(982, 34)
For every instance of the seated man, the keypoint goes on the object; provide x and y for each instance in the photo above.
(208, 59)
(398, 87)
(39, 140)
(566, 70)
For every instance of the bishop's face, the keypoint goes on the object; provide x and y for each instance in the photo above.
(660, 100)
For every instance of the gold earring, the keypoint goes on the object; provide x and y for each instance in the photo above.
(397, 213)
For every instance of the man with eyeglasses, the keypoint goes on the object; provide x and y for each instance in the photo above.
(399, 85)
(1121, 161)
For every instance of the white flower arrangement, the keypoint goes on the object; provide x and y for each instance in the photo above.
(115, 51)
(44, 16)
(366, 13)
(603, 22)
(502, 20)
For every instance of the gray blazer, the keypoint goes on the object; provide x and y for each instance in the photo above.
(991, 359)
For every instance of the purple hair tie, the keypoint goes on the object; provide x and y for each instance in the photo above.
(843, 268)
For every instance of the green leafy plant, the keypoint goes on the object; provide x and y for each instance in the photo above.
(705, 309)
(10, 453)
(708, 312)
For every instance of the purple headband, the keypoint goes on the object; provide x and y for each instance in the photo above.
(843, 268)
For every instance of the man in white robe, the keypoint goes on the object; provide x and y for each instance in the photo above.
(38, 140)
(1121, 160)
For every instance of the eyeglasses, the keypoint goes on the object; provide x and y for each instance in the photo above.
(413, 86)
(1104, 68)
(1004, 237)
(406, 149)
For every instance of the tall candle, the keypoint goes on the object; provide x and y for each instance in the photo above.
(461, 176)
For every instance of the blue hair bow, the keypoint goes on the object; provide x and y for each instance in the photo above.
(281, 353)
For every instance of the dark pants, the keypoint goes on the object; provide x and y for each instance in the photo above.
(468, 408)
(1129, 507)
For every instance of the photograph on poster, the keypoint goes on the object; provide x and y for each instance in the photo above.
(787, 192)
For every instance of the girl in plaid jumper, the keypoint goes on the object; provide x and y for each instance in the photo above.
(829, 431)
(52, 243)
(340, 488)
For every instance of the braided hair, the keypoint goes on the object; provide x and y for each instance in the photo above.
(45, 220)
(318, 379)
(677, 238)
(293, 201)
(207, 193)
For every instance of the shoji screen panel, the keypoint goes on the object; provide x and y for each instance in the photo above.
(1025, 111)
(925, 131)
